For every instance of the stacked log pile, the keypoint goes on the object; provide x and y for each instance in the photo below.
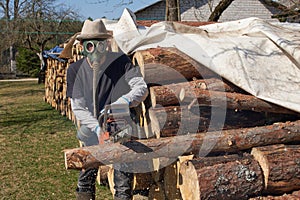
(205, 137)
(56, 87)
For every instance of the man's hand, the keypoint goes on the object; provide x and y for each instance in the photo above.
(103, 137)
(121, 100)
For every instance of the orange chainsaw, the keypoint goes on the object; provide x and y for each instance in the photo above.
(116, 124)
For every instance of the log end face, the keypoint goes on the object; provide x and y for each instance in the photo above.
(263, 162)
(188, 181)
(71, 161)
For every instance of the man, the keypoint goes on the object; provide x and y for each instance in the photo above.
(99, 79)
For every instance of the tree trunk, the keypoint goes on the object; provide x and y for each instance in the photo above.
(197, 144)
(280, 165)
(172, 10)
(238, 178)
(220, 8)
(12, 58)
(157, 62)
(236, 101)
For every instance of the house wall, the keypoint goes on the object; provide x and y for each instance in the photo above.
(154, 12)
(199, 10)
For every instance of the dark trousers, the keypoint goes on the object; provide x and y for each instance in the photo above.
(87, 177)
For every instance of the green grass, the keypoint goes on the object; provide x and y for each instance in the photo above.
(32, 138)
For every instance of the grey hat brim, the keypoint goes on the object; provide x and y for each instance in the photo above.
(93, 36)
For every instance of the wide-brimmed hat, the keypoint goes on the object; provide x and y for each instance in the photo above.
(93, 30)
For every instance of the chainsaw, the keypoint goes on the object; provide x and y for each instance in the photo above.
(116, 124)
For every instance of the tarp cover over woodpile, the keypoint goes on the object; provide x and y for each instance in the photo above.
(260, 57)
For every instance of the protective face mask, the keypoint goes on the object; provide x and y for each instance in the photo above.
(94, 49)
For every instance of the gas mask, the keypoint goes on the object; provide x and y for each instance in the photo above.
(94, 50)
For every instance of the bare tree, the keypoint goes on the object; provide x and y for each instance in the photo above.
(43, 22)
(172, 10)
(219, 9)
(289, 10)
(32, 24)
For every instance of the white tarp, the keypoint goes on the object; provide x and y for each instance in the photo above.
(260, 57)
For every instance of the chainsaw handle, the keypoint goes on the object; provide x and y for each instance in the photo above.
(103, 137)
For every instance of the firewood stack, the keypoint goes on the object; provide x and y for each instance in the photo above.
(56, 87)
(184, 96)
(249, 147)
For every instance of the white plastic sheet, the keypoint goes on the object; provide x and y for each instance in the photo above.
(260, 57)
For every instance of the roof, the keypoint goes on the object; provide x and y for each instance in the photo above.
(144, 8)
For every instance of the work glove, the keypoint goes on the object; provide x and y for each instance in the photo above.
(98, 130)
(121, 100)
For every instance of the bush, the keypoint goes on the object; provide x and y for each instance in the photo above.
(28, 62)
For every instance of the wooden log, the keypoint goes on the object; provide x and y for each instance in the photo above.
(170, 181)
(142, 181)
(164, 97)
(167, 65)
(293, 196)
(102, 176)
(176, 92)
(156, 192)
(236, 179)
(197, 144)
(281, 167)
(176, 120)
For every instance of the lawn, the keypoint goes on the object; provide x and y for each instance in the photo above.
(32, 138)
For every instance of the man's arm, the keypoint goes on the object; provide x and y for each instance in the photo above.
(138, 92)
(138, 87)
(83, 114)
(78, 104)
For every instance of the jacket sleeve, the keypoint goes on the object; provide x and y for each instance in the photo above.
(83, 114)
(138, 87)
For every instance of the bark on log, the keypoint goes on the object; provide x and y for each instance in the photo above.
(281, 167)
(175, 120)
(156, 192)
(102, 177)
(294, 196)
(176, 92)
(164, 97)
(197, 144)
(235, 179)
(170, 182)
(167, 65)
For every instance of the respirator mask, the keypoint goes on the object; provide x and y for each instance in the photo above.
(94, 50)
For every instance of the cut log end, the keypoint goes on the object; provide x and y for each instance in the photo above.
(280, 165)
(188, 181)
(71, 162)
(263, 162)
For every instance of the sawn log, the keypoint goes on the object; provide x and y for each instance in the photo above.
(197, 144)
(164, 96)
(225, 179)
(167, 65)
(281, 167)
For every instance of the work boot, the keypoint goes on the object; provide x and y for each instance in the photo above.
(85, 196)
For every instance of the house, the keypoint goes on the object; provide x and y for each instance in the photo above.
(200, 10)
